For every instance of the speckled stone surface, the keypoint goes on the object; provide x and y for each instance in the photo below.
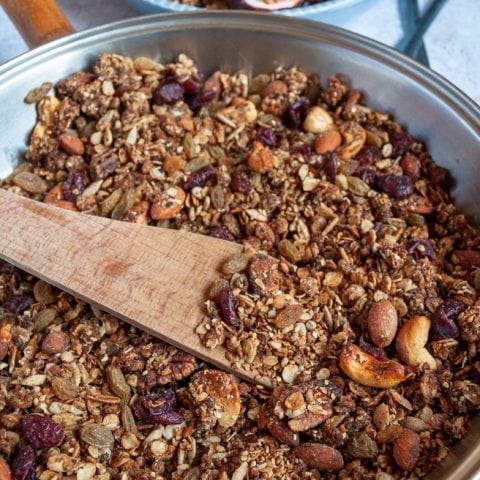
(452, 42)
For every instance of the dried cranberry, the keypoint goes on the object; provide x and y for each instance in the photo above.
(445, 316)
(330, 166)
(367, 156)
(440, 177)
(42, 432)
(192, 86)
(401, 143)
(16, 303)
(228, 307)
(304, 149)
(158, 408)
(396, 186)
(267, 136)
(10, 270)
(375, 352)
(369, 176)
(421, 249)
(241, 183)
(73, 186)
(200, 177)
(200, 99)
(222, 233)
(168, 93)
(23, 464)
(296, 113)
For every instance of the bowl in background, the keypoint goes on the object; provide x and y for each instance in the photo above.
(335, 12)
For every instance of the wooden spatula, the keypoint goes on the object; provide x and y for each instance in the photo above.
(153, 278)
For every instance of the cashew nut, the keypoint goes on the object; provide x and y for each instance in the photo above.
(411, 340)
(367, 370)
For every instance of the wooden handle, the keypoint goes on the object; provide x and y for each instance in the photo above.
(38, 21)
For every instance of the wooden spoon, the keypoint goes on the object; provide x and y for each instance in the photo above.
(154, 278)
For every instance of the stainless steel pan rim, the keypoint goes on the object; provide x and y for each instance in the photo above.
(303, 29)
(464, 115)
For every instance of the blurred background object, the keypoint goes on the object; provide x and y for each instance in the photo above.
(450, 45)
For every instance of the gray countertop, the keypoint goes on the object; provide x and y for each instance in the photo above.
(451, 41)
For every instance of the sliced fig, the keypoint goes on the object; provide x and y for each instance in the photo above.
(265, 6)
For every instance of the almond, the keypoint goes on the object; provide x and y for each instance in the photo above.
(406, 449)
(382, 323)
(327, 142)
(5, 473)
(320, 456)
(71, 145)
(367, 370)
(55, 342)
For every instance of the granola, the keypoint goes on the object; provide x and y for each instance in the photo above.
(356, 293)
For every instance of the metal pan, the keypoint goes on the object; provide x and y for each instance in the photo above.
(434, 110)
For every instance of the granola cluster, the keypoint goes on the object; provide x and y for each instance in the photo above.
(355, 297)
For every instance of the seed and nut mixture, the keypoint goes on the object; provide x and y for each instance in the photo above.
(356, 294)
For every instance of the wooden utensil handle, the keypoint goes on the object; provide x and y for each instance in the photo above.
(38, 21)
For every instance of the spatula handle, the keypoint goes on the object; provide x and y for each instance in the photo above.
(38, 21)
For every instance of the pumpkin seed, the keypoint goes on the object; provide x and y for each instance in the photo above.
(97, 435)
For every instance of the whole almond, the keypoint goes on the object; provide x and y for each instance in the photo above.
(5, 472)
(319, 456)
(328, 142)
(71, 145)
(406, 449)
(382, 323)
(4, 344)
(55, 342)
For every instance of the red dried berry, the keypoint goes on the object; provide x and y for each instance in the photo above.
(369, 176)
(23, 464)
(200, 99)
(440, 177)
(158, 408)
(192, 86)
(222, 233)
(73, 186)
(445, 317)
(366, 157)
(168, 93)
(241, 183)
(228, 307)
(421, 249)
(304, 149)
(395, 186)
(401, 143)
(267, 136)
(41, 431)
(330, 166)
(16, 303)
(200, 177)
(375, 352)
(296, 113)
